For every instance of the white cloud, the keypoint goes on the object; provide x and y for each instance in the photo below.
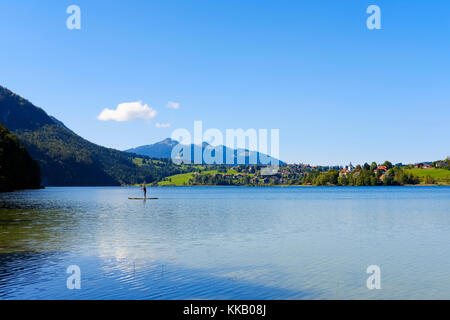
(128, 111)
(172, 105)
(162, 125)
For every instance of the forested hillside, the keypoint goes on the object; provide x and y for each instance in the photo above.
(17, 169)
(67, 159)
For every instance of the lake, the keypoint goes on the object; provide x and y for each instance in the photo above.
(226, 243)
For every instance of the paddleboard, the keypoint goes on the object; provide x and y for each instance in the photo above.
(142, 198)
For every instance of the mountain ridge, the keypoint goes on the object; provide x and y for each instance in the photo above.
(163, 150)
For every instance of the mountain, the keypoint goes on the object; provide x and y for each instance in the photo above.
(66, 159)
(17, 169)
(163, 150)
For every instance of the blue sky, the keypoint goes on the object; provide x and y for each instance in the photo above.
(337, 91)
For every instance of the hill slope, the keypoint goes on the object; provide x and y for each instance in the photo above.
(17, 169)
(67, 159)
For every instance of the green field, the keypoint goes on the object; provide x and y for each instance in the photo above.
(177, 180)
(183, 178)
(441, 176)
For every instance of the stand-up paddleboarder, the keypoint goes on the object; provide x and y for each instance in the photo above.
(145, 191)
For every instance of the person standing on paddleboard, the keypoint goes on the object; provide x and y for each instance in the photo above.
(145, 191)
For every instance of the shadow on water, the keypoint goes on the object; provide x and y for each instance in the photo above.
(32, 275)
(24, 274)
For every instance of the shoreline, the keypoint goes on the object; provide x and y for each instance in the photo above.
(306, 186)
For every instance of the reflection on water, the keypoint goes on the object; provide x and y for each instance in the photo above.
(226, 243)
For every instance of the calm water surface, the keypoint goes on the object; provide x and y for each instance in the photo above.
(226, 243)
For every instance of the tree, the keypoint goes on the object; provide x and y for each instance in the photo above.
(373, 166)
(17, 169)
(342, 180)
(428, 180)
(388, 178)
(388, 165)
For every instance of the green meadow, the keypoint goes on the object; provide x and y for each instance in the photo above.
(440, 176)
(183, 178)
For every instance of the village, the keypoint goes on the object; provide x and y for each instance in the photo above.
(308, 175)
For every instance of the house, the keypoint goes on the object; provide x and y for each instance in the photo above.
(426, 166)
(343, 172)
(381, 169)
